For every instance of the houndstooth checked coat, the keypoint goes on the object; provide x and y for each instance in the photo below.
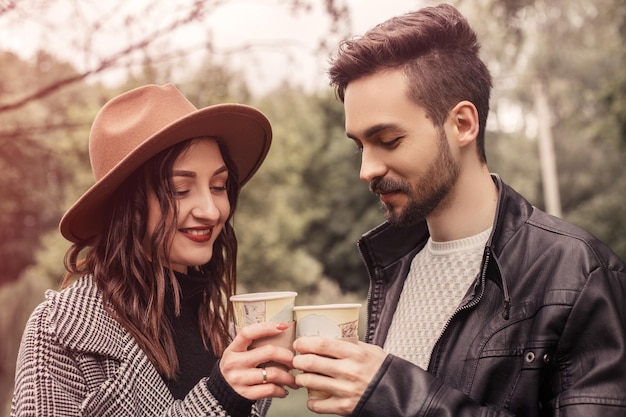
(76, 360)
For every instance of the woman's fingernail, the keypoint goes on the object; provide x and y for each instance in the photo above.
(282, 326)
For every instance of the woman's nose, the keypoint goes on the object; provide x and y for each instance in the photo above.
(205, 207)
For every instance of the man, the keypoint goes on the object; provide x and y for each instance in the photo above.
(479, 303)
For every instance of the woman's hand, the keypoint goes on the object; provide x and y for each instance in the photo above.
(243, 369)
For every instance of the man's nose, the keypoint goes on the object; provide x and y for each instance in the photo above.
(372, 166)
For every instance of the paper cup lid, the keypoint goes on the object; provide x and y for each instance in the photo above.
(260, 296)
(327, 307)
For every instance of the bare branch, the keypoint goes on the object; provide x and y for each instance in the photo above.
(196, 12)
(7, 6)
(24, 133)
(143, 35)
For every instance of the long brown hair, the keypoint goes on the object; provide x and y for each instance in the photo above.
(134, 283)
(438, 52)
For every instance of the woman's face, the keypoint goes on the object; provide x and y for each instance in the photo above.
(199, 178)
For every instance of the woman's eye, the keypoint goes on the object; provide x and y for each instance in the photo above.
(180, 193)
(218, 188)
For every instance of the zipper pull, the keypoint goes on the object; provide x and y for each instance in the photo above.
(507, 309)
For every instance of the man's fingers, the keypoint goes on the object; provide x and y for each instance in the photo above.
(327, 347)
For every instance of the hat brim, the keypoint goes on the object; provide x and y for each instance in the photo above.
(244, 131)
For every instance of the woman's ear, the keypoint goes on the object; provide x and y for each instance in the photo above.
(464, 118)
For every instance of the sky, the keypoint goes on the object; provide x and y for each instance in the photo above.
(285, 43)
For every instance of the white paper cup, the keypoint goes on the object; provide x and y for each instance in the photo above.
(261, 307)
(335, 321)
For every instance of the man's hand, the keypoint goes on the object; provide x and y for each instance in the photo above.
(340, 368)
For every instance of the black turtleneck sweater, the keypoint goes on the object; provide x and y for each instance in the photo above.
(196, 362)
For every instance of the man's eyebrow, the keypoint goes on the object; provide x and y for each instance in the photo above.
(373, 130)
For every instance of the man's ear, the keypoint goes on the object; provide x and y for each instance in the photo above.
(464, 118)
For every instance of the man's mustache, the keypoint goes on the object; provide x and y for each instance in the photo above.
(385, 185)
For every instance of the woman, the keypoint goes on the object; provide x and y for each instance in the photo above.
(146, 328)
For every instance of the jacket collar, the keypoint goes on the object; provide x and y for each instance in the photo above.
(512, 211)
(386, 244)
(390, 248)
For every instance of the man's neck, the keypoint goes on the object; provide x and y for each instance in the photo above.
(469, 209)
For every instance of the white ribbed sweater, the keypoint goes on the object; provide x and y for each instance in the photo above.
(439, 277)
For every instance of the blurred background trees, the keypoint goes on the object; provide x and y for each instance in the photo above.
(300, 217)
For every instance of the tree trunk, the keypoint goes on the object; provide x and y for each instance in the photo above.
(547, 157)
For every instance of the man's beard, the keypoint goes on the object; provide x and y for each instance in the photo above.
(426, 194)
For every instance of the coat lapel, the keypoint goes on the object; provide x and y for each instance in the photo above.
(81, 323)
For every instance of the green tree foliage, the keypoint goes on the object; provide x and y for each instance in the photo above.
(306, 207)
(36, 156)
(614, 99)
(332, 179)
(274, 211)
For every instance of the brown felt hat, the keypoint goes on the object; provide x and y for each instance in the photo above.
(136, 125)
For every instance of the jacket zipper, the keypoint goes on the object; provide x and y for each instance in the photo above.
(368, 302)
(471, 304)
(474, 302)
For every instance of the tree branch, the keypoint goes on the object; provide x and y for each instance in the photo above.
(196, 12)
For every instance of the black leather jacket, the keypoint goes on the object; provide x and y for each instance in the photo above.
(541, 332)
